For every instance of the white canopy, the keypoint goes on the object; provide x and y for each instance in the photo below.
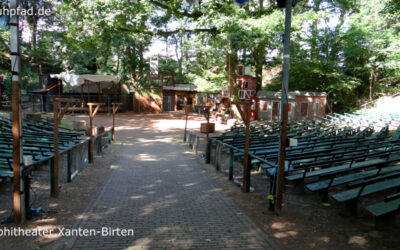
(79, 80)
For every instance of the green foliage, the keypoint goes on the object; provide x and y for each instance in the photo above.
(349, 49)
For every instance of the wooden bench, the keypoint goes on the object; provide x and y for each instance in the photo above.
(351, 196)
(344, 179)
(332, 171)
(390, 205)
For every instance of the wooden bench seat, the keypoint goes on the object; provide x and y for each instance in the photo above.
(344, 179)
(390, 205)
(343, 168)
(6, 173)
(355, 193)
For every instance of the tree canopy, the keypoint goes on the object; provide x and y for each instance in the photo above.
(347, 48)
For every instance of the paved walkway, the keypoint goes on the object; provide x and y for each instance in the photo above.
(160, 190)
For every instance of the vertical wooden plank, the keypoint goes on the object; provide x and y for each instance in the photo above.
(16, 123)
(246, 168)
(52, 182)
(114, 110)
(208, 150)
(91, 133)
(282, 152)
(187, 115)
(18, 181)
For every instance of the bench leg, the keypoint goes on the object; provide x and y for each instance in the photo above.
(352, 206)
(323, 194)
(217, 156)
(196, 145)
(27, 186)
(231, 164)
(208, 151)
(271, 197)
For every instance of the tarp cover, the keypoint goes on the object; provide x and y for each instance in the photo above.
(78, 80)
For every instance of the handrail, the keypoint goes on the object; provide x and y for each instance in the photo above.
(270, 164)
(373, 101)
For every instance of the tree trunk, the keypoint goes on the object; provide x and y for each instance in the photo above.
(258, 57)
(231, 64)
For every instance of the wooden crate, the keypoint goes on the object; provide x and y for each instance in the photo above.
(207, 127)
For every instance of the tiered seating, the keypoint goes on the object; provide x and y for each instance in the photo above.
(38, 141)
(350, 151)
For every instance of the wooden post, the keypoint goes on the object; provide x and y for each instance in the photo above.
(57, 105)
(231, 164)
(284, 106)
(206, 112)
(92, 113)
(18, 180)
(246, 168)
(187, 109)
(114, 110)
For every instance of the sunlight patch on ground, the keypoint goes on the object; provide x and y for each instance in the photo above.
(137, 197)
(357, 240)
(140, 243)
(282, 235)
(149, 186)
(163, 229)
(120, 128)
(151, 207)
(146, 157)
(143, 140)
(115, 167)
(190, 184)
(323, 239)
(53, 205)
(48, 220)
(282, 225)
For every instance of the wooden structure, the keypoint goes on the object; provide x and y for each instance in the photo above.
(188, 108)
(114, 111)
(332, 155)
(174, 97)
(59, 112)
(246, 160)
(205, 110)
(38, 147)
(93, 108)
(301, 105)
(89, 88)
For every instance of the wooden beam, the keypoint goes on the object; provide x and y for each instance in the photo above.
(246, 118)
(114, 110)
(19, 204)
(187, 109)
(91, 116)
(57, 105)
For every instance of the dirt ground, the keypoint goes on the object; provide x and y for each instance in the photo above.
(306, 222)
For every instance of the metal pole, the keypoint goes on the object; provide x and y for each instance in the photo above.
(284, 107)
(18, 181)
